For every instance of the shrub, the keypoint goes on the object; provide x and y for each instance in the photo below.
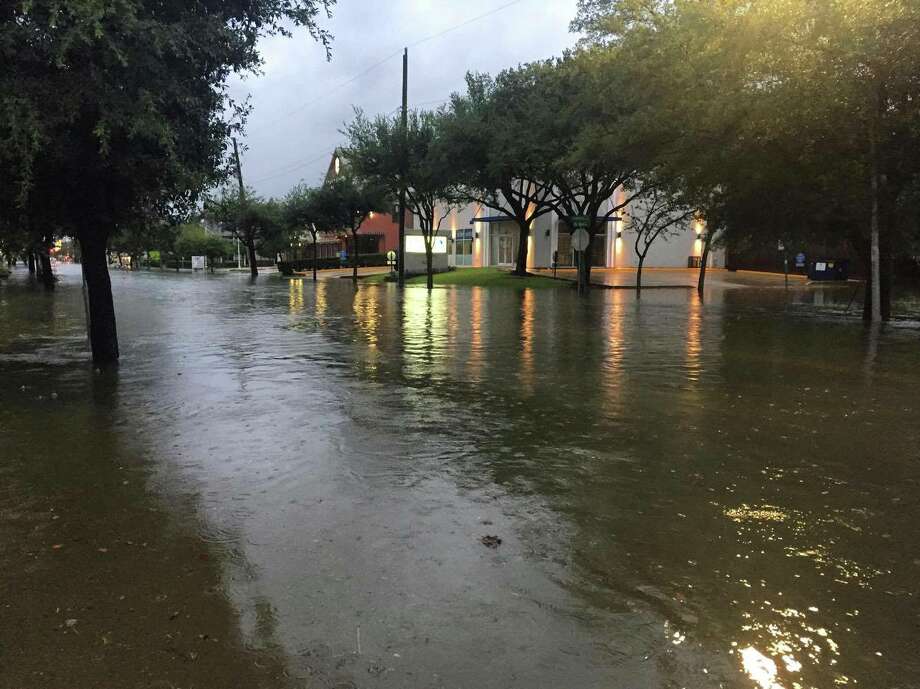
(306, 264)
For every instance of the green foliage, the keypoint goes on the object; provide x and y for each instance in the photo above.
(415, 159)
(766, 111)
(343, 204)
(254, 221)
(305, 264)
(112, 110)
(497, 139)
(195, 240)
(139, 99)
(300, 212)
(145, 235)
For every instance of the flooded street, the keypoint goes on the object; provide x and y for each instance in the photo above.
(287, 485)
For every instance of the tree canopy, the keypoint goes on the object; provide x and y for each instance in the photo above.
(112, 109)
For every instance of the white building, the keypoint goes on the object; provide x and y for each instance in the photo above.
(481, 237)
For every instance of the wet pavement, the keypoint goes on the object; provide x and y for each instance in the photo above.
(289, 484)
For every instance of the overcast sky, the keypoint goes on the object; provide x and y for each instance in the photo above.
(301, 101)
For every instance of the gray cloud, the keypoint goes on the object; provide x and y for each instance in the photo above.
(301, 101)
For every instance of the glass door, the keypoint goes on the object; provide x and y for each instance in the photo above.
(505, 250)
(463, 248)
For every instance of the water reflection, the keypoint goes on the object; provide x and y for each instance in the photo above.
(295, 296)
(694, 337)
(527, 316)
(688, 494)
(367, 316)
(425, 334)
(476, 353)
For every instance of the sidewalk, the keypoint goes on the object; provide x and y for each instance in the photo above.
(333, 273)
(678, 278)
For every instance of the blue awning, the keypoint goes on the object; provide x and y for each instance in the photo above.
(492, 218)
(505, 218)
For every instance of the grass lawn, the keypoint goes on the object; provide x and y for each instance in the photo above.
(478, 277)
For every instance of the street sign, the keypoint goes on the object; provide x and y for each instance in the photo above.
(391, 258)
(580, 222)
(197, 262)
(800, 261)
(580, 239)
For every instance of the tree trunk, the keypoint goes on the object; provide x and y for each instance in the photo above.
(47, 275)
(314, 257)
(31, 262)
(875, 282)
(704, 261)
(429, 263)
(639, 278)
(520, 265)
(886, 270)
(103, 336)
(354, 257)
(253, 266)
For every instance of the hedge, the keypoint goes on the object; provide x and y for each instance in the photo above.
(306, 264)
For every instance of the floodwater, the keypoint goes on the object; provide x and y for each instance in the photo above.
(286, 485)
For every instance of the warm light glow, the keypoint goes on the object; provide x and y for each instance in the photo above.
(528, 317)
(295, 296)
(338, 165)
(372, 214)
(760, 668)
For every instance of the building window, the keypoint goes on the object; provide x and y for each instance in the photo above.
(463, 247)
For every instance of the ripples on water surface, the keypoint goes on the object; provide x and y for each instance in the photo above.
(688, 495)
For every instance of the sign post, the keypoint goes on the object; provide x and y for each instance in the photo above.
(580, 241)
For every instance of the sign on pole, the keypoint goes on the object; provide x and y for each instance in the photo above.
(580, 240)
(197, 262)
(580, 236)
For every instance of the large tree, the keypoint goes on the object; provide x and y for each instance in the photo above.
(415, 159)
(301, 213)
(110, 109)
(345, 203)
(257, 223)
(600, 150)
(811, 106)
(496, 137)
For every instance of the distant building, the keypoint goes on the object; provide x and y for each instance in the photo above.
(477, 236)
(480, 237)
(380, 232)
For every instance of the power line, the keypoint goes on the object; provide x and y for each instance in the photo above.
(298, 165)
(389, 57)
(466, 23)
(338, 87)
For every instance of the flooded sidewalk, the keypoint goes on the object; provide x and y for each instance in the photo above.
(680, 278)
(299, 485)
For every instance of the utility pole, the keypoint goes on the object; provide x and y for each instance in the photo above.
(239, 168)
(401, 253)
(250, 247)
